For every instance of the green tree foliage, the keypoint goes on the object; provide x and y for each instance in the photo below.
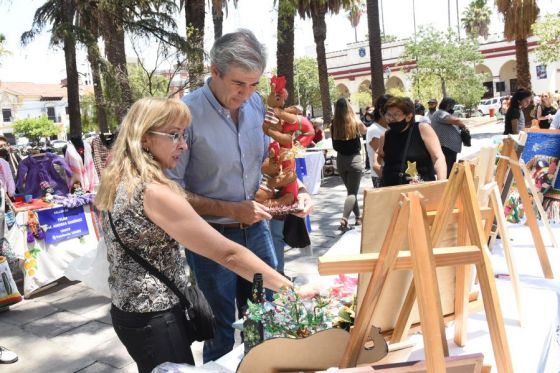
(362, 99)
(445, 65)
(89, 113)
(306, 83)
(35, 128)
(143, 85)
(548, 32)
(476, 19)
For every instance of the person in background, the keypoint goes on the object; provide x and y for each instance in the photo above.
(545, 111)
(367, 120)
(555, 124)
(505, 105)
(6, 173)
(419, 114)
(432, 107)
(374, 132)
(153, 217)
(448, 130)
(319, 132)
(346, 132)
(423, 149)
(221, 172)
(515, 119)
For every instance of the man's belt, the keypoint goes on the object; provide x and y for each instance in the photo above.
(220, 227)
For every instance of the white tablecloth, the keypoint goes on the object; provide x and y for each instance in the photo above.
(314, 162)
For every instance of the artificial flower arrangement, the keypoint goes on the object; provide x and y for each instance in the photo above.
(289, 315)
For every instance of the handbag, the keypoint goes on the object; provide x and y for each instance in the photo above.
(295, 232)
(466, 137)
(200, 318)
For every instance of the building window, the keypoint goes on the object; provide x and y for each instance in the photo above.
(50, 114)
(6, 115)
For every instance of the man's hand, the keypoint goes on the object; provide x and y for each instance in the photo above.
(250, 212)
(306, 203)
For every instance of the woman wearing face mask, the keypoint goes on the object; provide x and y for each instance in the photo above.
(515, 119)
(407, 141)
(448, 130)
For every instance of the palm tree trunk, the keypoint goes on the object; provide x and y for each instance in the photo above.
(285, 47)
(72, 80)
(113, 34)
(194, 16)
(376, 60)
(218, 18)
(522, 59)
(443, 88)
(319, 34)
(93, 59)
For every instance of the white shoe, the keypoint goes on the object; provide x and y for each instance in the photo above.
(7, 356)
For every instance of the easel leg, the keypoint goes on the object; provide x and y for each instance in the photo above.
(532, 221)
(462, 284)
(497, 206)
(425, 280)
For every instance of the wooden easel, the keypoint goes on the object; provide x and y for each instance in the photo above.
(411, 221)
(510, 160)
(489, 194)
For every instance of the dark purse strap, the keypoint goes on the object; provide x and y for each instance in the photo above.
(150, 268)
(406, 146)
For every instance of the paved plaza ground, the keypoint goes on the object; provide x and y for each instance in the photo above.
(67, 328)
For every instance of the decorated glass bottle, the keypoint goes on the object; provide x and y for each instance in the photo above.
(253, 332)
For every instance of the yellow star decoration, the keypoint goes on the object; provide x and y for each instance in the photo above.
(411, 169)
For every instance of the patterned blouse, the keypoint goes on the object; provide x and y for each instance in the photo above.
(133, 289)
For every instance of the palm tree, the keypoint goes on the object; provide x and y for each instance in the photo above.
(354, 14)
(88, 20)
(60, 15)
(317, 9)
(218, 9)
(519, 16)
(376, 59)
(285, 46)
(194, 16)
(153, 18)
(476, 19)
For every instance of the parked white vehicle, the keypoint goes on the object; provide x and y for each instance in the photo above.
(485, 105)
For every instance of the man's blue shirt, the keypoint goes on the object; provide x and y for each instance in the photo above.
(223, 160)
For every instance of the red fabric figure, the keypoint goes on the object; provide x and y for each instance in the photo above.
(290, 132)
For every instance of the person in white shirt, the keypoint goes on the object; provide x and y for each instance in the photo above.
(555, 124)
(374, 132)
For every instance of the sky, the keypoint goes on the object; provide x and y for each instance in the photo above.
(40, 63)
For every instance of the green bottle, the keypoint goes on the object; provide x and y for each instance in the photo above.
(253, 331)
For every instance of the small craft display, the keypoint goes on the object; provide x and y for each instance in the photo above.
(288, 315)
(290, 133)
(541, 155)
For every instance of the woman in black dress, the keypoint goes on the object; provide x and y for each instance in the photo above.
(515, 119)
(407, 141)
(545, 111)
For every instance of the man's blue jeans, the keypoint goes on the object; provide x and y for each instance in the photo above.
(222, 288)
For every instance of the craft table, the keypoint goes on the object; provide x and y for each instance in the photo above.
(47, 262)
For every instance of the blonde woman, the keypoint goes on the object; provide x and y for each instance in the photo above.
(152, 216)
(346, 132)
(545, 111)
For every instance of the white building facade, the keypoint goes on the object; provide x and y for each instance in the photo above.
(350, 68)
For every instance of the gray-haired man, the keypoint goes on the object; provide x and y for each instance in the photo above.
(222, 170)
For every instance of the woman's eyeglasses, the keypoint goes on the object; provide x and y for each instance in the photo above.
(175, 137)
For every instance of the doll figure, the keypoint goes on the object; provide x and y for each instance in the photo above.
(290, 133)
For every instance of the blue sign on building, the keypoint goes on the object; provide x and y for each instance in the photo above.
(63, 223)
(362, 52)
